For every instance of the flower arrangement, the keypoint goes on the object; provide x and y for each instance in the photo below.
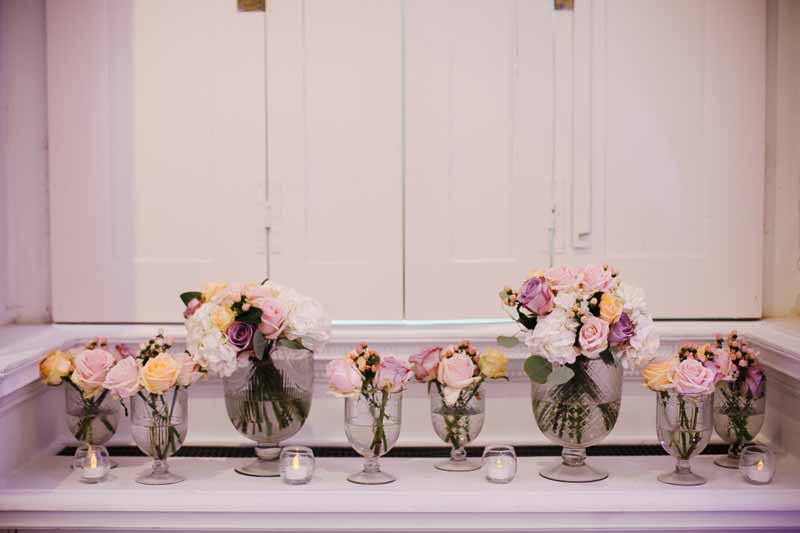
(85, 370)
(232, 326)
(365, 373)
(457, 372)
(570, 317)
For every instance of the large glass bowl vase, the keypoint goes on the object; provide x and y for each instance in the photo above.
(92, 421)
(268, 401)
(372, 426)
(738, 418)
(684, 425)
(578, 414)
(458, 424)
(159, 423)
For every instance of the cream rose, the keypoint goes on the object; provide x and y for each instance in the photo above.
(659, 375)
(222, 318)
(160, 373)
(55, 367)
(492, 363)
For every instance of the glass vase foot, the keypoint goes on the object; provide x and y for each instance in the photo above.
(159, 478)
(726, 461)
(583, 473)
(463, 465)
(686, 479)
(371, 478)
(260, 468)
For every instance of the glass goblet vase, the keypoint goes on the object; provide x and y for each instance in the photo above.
(683, 424)
(578, 414)
(268, 401)
(457, 424)
(158, 424)
(372, 426)
(92, 421)
(738, 417)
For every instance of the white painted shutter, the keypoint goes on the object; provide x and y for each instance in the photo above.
(157, 168)
(479, 88)
(669, 151)
(334, 107)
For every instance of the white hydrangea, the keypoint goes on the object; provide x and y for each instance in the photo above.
(565, 300)
(644, 343)
(554, 337)
(634, 301)
(207, 344)
(309, 323)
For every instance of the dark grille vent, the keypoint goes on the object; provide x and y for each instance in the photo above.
(415, 452)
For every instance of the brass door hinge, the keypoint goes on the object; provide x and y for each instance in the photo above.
(251, 5)
(564, 5)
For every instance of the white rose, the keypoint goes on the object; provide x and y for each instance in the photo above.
(309, 323)
(554, 338)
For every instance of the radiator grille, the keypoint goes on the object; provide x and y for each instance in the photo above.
(222, 452)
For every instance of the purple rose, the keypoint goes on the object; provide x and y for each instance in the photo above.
(240, 335)
(536, 296)
(754, 380)
(622, 330)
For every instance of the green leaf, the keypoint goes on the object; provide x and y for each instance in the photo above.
(292, 345)
(259, 344)
(538, 368)
(187, 297)
(560, 375)
(252, 316)
(507, 342)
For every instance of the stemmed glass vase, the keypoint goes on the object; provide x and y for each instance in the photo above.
(268, 401)
(738, 418)
(457, 424)
(684, 425)
(578, 414)
(92, 421)
(159, 423)
(372, 426)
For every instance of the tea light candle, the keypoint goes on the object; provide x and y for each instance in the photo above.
(94, 465)
(499, 463)
(297, 465)
(757, 464)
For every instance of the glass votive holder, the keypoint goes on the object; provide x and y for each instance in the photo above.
(93, 464)
(499, 463)
(757, 464)
(297, 465)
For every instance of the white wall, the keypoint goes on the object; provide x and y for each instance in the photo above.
(782, 199)
(24, 235)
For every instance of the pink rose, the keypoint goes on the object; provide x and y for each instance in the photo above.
(456, 373)
(536, 296)
(91, 367)
(426, 363)
(344, 379)
(562, 278)
(230, 295)
(593, 337)
(393, 374)
(722, 365)
(192, 307)
(273, 318)
(123, 379)
(596, 278)
(694, 378)
(188, 370)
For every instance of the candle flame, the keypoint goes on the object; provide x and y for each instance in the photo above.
(498, 463)
(296, 462)
(760, 465)
(92, 461)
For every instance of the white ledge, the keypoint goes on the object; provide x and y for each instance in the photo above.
(47, 492)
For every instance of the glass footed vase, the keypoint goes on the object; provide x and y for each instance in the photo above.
(91, 421)
(159, 424)
(268, 401)
(683, 423)
(579, 414)
(738, 418)
(372, 426)
(457, 424)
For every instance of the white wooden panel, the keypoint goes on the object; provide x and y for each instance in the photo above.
(479, 147)
(335, 152)
(677, 150)
(157, 168)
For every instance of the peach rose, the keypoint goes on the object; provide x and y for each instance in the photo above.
(659, 375)
(160, 373)
(56, 366)
(610, 307)
(91, 367)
